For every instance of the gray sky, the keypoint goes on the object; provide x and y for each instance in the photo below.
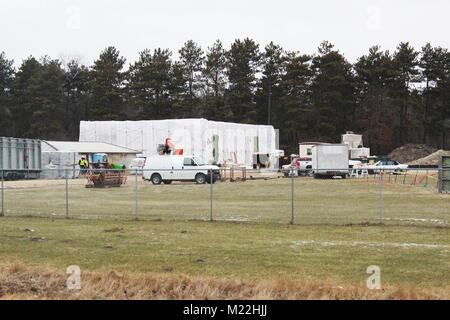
(79, 28)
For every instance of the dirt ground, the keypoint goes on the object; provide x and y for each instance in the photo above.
(39, 183)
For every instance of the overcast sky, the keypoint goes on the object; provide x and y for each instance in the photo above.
(81, 29)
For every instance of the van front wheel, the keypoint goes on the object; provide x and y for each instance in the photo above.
(200, 178)
(156, 178)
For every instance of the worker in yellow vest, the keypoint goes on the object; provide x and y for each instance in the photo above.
(84, 164)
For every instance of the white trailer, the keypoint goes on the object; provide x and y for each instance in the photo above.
(329, 160)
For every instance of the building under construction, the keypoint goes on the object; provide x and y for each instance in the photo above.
(216, 142)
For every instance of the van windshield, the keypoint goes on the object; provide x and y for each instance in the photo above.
(200, 161)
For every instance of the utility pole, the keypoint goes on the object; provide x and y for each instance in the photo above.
(292, 196)
(269, 104)
(66, 171)
(136, 181)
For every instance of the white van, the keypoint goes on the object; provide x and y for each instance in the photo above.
(167, 168)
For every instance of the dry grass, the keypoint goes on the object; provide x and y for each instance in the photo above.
(20, 282)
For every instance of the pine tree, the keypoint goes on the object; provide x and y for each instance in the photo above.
(180, 101)
(214, 83)
(39, 100)
(23, 103)
(375, 116)
(444, 107)
(149, 84)
(243, 64)
(432, 64)
(295, 109)
(405, 62)
(7, 73)
(48, 112)
(76, 97)
(440, 107)
(107, 86)
(333, 93)
(268, 87)
(191, 61)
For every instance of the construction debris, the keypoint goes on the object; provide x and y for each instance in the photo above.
(103, 174)
(432, 159)
(410, 152)
(100, 178)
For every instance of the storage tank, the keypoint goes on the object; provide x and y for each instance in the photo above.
(20, 158)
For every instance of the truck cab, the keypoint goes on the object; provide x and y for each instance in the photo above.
(299, 166)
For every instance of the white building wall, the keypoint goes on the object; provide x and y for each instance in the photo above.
(194, 136)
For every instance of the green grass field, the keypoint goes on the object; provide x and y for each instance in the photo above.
(335, 236)
(266, 201)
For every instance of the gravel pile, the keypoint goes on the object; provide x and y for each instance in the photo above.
(411, 152)
(432, 159)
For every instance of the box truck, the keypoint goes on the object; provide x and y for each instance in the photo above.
(329, 160)
(20, 158)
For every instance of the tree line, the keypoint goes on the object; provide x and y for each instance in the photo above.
(391, 98)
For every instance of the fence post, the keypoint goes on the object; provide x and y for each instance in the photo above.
(211, 196)
(292, 196)
(136, 194)
(67, 194)
(381, 197)
(2, 213)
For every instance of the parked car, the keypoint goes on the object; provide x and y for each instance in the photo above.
(136, 165)
(168, 168)
(299, 166)
(387, 164)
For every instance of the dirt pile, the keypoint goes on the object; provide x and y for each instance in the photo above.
(410, 152)
(432, 159)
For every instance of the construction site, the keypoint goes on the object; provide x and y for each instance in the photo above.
(264, 228)
(225, 156)
(239, 214)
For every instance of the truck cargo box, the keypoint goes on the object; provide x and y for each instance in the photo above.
(330, 160)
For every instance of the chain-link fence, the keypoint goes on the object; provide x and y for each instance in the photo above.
(402, 197)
